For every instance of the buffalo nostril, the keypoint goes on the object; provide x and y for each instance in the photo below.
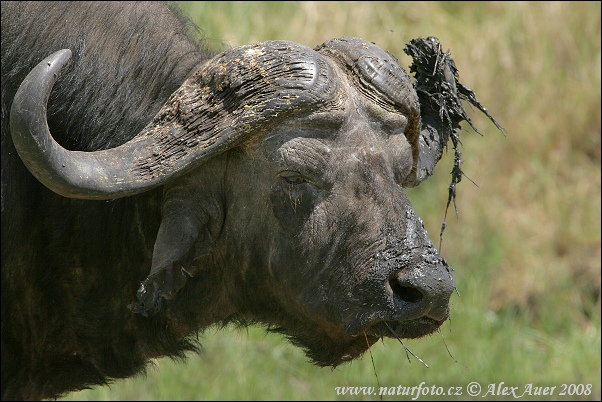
(406, 293)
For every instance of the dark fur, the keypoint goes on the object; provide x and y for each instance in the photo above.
(334, 261)
(127, 59)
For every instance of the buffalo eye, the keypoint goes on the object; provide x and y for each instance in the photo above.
(293, 178)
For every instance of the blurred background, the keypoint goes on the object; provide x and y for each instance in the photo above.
(525, 244)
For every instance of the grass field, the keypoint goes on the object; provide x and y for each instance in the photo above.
(526, 244)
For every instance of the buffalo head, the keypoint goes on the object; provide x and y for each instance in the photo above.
(284, 171)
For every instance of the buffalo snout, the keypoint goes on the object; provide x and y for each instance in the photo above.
(419, 282)
(422, 292)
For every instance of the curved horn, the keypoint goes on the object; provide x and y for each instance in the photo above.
(378, 76)
(431, 104)
(244, 90)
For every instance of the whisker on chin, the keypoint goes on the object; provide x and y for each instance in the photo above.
(408, 351)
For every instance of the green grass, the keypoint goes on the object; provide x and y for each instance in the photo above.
(526, 243)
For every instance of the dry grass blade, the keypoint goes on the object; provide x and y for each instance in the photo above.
(373, 365)
(446, 347)
(408, 351)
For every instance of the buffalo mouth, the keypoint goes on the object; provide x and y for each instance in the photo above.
(410, 329)
(328, 350)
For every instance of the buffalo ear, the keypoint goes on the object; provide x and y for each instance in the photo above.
(439, 93)
(184, 236)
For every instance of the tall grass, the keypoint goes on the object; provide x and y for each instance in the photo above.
(526, 243)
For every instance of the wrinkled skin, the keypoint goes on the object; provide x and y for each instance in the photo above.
(268, 188)
(316, 216)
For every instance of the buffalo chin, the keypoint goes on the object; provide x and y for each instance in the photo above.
(325, 351)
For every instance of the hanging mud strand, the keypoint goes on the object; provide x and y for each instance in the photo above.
(408, 351)
(440, 92)
(456, 178)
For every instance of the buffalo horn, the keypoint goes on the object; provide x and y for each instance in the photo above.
(379, 77)
(431, 103)
(243, 91)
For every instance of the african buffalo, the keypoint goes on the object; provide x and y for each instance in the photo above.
(182, 188)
